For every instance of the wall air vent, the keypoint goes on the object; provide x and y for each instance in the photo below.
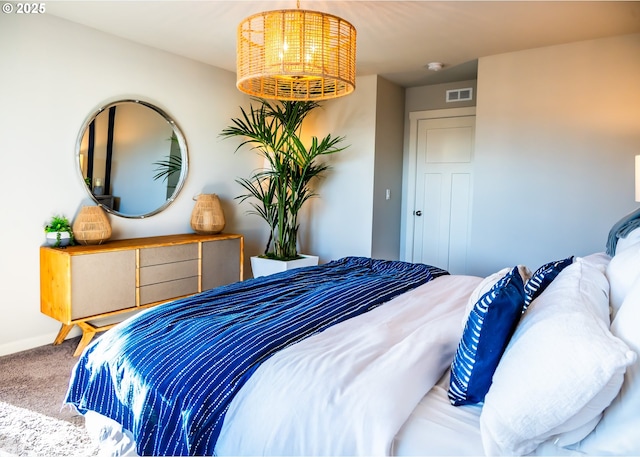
(460, 95)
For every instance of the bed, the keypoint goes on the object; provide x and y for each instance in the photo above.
(369, 357)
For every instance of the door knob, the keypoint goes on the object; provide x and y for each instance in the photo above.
(417, 213)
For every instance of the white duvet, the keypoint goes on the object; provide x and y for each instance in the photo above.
(349, 389)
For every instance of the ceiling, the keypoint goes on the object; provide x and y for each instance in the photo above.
(396, 39)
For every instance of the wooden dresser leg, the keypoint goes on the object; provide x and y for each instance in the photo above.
(62, 334)
(88, 332)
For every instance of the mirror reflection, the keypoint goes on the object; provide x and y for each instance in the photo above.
(133, 158)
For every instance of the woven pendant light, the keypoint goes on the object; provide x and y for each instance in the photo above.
(91, 225)
(296, 55)
(207, 217)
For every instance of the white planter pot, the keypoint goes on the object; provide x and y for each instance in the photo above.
(52, 238)
(263, 267)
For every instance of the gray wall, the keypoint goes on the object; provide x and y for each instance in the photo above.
(555, 144)
(385, 243)
(351, 215)
(434, 97)
(556, 137)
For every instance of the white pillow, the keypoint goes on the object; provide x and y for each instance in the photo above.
(598, 258)
(617, 432)
(561, 369)
(632, 237)
(622, 272)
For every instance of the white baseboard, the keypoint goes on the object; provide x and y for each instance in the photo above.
(34, 342)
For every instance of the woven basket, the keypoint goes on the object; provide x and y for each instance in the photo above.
(207, 216)
(91, 226)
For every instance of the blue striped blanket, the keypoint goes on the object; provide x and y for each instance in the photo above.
(169, 374)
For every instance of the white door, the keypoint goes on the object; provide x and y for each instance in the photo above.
(441, 214)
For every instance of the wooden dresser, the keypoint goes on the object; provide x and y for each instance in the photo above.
(79, 284)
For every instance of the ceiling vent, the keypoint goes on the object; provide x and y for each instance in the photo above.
(460, 95)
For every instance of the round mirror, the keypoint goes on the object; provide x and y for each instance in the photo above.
(132, 157)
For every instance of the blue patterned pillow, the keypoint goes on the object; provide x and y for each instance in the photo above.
(487, 332)
(542, 278)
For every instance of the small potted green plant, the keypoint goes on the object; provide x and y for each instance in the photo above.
(58, 232)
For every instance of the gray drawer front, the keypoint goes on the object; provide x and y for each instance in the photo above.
(102, 282)
(168, 254)
(168, 272)
(220, 263)
(168, 290)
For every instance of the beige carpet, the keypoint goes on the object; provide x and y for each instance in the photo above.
(33, 421)
(26, 433)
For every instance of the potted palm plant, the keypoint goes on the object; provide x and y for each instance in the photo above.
(278, 191)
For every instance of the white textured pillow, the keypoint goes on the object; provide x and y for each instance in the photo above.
(617, 432)
(622, 272)
(561, 369)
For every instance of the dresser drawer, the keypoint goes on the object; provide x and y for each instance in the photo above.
(168, 254)
(102, 283)
(221, 263)
(168, 290)
(168, 272)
